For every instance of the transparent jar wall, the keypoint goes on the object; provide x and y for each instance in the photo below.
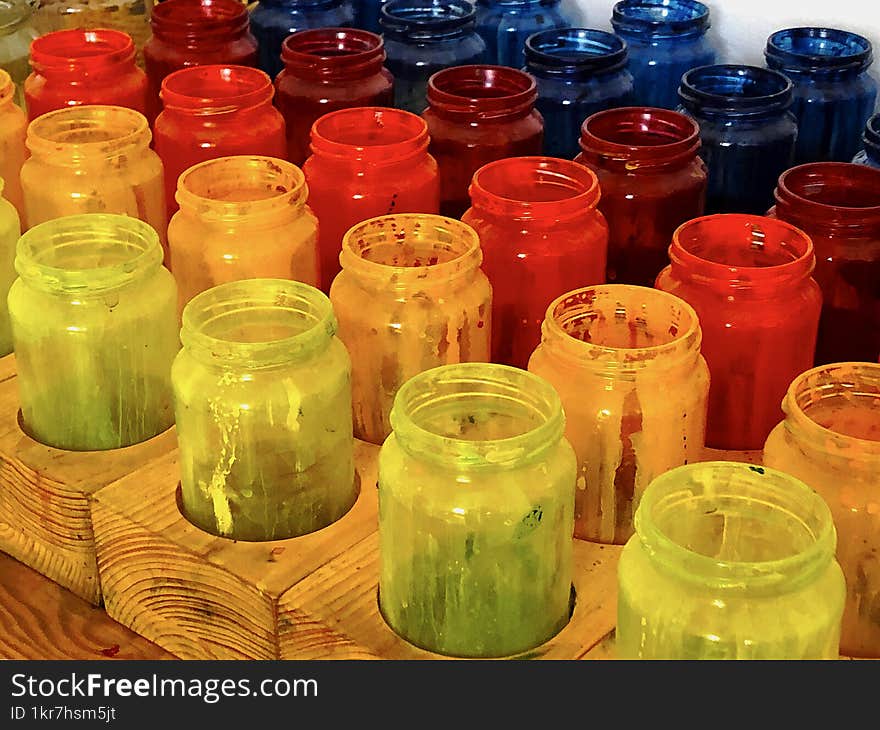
(13, 126)
(10, 230)
(263, 402)
(505, 25)
(16, 33)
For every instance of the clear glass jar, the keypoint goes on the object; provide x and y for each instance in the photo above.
(262, 392)
(830, 438)
(94, 323)
(242, 217)
(505, 25)
(10, 230)
(870, 153)
(410, 297)
(16, 34)
(626, 362)
(664, 38)
(730, 561)
(833, 92)
(580, 71)
(476, 498)
(13, 128)
(99, 160)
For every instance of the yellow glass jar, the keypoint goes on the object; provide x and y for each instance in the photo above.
(242, 217)
(626, 362)
(93, 159)
(10, 230)
(410, 296)
(262, 393)
(729, 561)
(94, 324)
(13, 125)
(830, 438)
(476, 511)
(16, 33)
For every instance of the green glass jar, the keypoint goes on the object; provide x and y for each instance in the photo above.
(730, 561)
(10, 230)
(94, 325)
(476, 512)
(262, 392)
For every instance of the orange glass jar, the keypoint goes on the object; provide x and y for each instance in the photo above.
(367, 162)
(13, 127)
(410, 297)
(542, 235)
(242, 217)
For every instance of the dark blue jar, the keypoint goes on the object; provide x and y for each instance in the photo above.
(747, 133)
(870, 153)
(273, 20)
(833, 92)
(366, 14)
(505, 25)
(423, 37)
(664, 39)
(579, 71)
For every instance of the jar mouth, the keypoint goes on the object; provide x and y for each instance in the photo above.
(482, 89)
(13, 15)
(481, 415)
(379, 133)
(731, 89)
(323, 50)
(814, 50)
(260, 322)
(736, 526)
(426, 20)
(199, 17)
(89, 253)
(76, 48)
(640, 133)
(88, 130)
(575, 50)
(216, 89)
(661, 18)
(831, 192)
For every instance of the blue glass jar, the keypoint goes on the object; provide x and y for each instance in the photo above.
(579, 71)
(366, 14)
(505, 25)
(870, 153)
(833, 92)
(665, 38)
(747, 133)
(423, 37)
(273, 20)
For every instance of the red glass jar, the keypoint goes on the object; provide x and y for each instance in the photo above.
(80, 66)
(748, 278)
(652, 181)
(324, 70)
(542, 235)
(215, 111)
(475, 115)
(838, 205)
(366, 162)
(196, 33)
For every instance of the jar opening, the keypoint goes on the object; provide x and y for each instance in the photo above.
(426, 20)
(658, 17)
(853, 189)
(575, 49)
(536, 180)
(216, 89)
(735, 89)
(198, 17)
(482, 89)
(818, 49)
(89, 130)
(385, 134)
(65, 48)
(307, 46)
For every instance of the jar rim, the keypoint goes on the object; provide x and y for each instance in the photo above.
(741, 89)
(610, 134)
(464, 89)
(48, 132)
(352, 46)
(73, 48)
(835, 50)
(806, 185)
(199, 17)
(575, 50)
(216, 89)
(14, 15)
(382, 133)
(426, 19)
(662, 18)
(871, 136)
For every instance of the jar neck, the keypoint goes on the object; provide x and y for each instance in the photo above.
(742, 252)
(739, 92)
(466, 94)
(88, 254)
(426, 21)
(257, 323)
(574, 53)
(660, 19)
(199, 24)
(871, 138)
(79, 54)
(399, 252)
(631, 140)
(819, 52)
(477, 416)
(545, 189)
(216, 89)
(333, 54)
(735, 527)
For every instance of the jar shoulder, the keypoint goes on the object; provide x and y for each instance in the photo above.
(470, 48)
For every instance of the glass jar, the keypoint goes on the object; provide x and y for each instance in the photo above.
(242, 217)
(196, 33)
(426, 36)
(830, 438)
(98, 159)
(748, 278)
(13, 128)
(833, 93)
(730, 561)
(476, 497)
(16, 34)
(838, 205)
(870, 153)
(505, 25)
(94, 323)
(84, 67)
(747, 133)
(477, 114)
(664, 38)
(273, 20)
(366, 162)
(541, 235)
(262, 393)
(366, 14)
(626, 362)
(325, 70)
(410, 297)
(651, 179)
(215, 111)
(579, 72)
(10, 230)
